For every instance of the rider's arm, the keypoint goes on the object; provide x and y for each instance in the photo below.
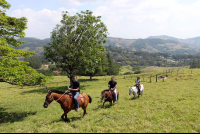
(76, 90)
(115, 86)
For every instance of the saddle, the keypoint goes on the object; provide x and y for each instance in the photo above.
(72, 96)
(137, 87)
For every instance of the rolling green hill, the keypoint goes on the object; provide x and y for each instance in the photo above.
(193, 42)
(152, 45)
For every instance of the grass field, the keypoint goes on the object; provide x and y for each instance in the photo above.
(170, 106)
(158, 69)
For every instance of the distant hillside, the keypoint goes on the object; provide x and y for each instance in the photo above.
(151, 44)
(164, 37)
(34, 44)
(193, 42)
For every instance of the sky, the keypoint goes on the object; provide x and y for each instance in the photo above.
(129, 19)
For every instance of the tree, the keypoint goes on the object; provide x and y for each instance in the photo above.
(113, 68)
(34, 61)
(76, 44)
(13, 70)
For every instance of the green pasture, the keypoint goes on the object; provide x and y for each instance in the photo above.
(169, 106)
(159, 69)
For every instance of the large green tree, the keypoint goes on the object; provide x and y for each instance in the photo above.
(13, 70)
(76, 44)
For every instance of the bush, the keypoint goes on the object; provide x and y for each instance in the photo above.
(138, 72)
(127, 73)
(48, 72)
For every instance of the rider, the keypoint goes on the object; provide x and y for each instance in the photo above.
(112, 86)
(75, 90)
(137, 81)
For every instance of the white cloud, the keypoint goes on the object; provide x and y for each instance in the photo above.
(41, 23)
(126, 19)
(143, 18)
(80, 2)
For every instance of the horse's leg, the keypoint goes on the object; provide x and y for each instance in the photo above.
(103, 103)
(65, 114)
(111, 102)
(84, 111)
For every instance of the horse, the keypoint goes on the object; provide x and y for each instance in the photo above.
(66, 101)
(134, 90)
(108, 96)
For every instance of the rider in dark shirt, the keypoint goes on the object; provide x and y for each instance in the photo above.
(75, 90)
(112, 86)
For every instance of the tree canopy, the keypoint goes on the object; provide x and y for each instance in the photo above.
(12, 69)
(76, 44)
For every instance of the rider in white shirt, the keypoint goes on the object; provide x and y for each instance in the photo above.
(137, 81)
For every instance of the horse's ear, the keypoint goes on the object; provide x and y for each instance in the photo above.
(49, 91)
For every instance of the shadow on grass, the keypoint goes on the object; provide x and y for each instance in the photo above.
(6, 117)
(85, 80)
(45, 90)
(72, 119)
(100, 106)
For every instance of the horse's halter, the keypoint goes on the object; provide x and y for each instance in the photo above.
(51, 97)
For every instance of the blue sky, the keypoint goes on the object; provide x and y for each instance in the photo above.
(129, 19)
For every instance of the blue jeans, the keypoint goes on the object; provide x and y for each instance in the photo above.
(76, 94)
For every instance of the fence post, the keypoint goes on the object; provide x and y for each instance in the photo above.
(156, 77)
(150, 79)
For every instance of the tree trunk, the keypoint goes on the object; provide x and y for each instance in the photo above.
(90, 77)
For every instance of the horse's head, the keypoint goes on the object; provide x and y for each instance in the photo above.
(48, 100)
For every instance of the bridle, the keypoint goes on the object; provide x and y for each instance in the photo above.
(51, 97)
(110, 94)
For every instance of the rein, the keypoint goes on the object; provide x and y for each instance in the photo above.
(57, 99)
(109, 95)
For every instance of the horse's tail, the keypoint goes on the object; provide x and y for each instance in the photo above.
(90, 99)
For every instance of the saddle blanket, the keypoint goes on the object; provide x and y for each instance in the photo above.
(79, 97)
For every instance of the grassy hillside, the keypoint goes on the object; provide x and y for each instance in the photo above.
(193, 42)
(166, 107)
(152, 45)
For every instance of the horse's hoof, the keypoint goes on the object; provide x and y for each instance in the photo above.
(67, 121)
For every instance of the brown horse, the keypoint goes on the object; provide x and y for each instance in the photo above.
(66, 102)
(108, 96)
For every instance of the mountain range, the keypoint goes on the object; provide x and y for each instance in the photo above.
(152, 44)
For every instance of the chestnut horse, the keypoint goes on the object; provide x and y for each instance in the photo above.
(108, 96)
(66, 102)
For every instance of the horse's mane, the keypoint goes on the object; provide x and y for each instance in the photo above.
(58, 92)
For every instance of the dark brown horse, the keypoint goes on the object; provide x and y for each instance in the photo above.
(108, 96)
(66, 102)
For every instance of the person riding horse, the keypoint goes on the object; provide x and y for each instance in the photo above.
(112, 87)
(137, 81)
(75, 90)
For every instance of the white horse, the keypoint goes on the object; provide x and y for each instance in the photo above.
(134, 90)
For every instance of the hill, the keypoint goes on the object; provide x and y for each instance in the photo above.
(193, 42)
(152, 45)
